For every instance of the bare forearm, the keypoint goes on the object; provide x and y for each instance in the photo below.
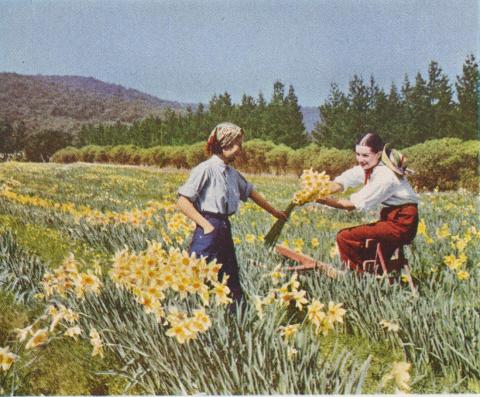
(186, 206)
(340, 204)
(261, 202)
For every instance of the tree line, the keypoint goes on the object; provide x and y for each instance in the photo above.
(418, 111)
(427, 108)
(279, 120)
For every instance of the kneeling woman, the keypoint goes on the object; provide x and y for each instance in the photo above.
(211, 194)
(383, 173)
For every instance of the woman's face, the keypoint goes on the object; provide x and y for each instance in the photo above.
(233, 150)
(366, 158)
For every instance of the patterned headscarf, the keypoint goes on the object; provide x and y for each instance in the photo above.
(224, 134)
(396, 161)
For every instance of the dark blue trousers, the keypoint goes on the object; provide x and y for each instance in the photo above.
(219, 245)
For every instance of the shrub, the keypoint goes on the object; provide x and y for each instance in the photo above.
(67, 155)
(277, 158)
(123, 154)
(331, 160)
(446, 164)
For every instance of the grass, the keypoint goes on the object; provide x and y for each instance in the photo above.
(438, 331)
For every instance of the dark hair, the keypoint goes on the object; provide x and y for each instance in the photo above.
(215, 148)
(372, 140)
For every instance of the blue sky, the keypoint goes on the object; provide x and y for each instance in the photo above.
(189, 50)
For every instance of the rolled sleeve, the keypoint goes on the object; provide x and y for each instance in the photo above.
(244, 187)
(194, 184)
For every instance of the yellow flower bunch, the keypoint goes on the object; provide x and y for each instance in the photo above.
(67, 278)
(324, 321)
(313, 185)
(135, 217)
(185, 328)
(61, 313)
(153, 273)
(179, 226)
(455, 263)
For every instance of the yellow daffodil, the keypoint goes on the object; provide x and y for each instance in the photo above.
(443, 231)
(400, 374)
(96, 342)
(315, 313)
(73, 332)
(291, 352)
(390, 326)
(335, 312)
(23, 333)
(180, 331)
(39, 338)
(289, 331)
(7, 358)
(221, 292)
(463, 275)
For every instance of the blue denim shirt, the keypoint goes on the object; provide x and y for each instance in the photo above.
(214, 186)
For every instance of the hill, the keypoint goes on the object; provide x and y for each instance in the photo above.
(67, 102)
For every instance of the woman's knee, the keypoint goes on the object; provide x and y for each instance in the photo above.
(342, 236)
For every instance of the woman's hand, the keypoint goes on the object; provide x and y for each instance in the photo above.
(322, 201)
(279, 214)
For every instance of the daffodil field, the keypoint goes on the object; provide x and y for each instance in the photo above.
(98, 294)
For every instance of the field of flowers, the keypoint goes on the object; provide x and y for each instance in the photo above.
(99, 296)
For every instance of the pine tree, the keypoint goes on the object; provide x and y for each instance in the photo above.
(441, 109)
(467, 93)
(294, 130)
(333, 129)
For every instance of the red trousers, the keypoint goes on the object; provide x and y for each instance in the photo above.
(397, 226)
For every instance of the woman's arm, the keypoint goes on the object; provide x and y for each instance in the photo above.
(340, 204)
(261, 202)
(186, 206)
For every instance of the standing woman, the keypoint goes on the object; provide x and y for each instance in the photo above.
(383, 173)
(211, 194)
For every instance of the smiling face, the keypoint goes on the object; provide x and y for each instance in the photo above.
(366, 158)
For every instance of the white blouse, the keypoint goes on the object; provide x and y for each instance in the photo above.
(383, 187)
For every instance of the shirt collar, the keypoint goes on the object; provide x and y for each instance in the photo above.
(218, 162)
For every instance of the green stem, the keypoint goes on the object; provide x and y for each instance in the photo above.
(272, 236)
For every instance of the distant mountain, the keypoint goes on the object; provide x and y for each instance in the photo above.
(67, 102)
(311, 116)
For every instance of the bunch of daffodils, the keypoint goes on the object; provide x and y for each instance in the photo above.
(67, 278)
(156, 274)
(313, 186)
(324, 320)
